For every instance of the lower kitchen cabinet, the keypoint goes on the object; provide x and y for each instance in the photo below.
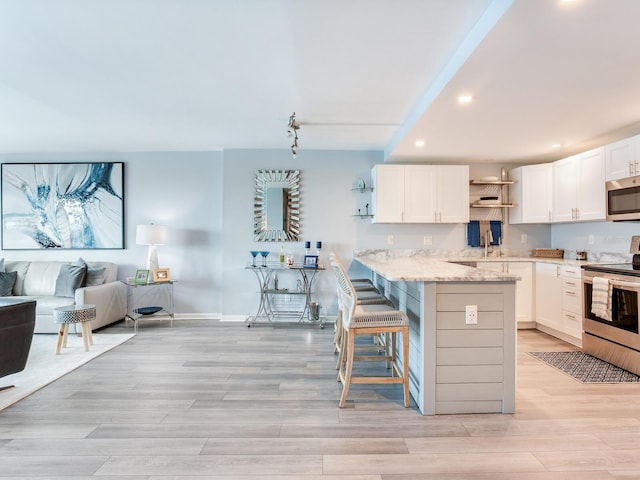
(524, 288)
(558, 301)
(571, 303)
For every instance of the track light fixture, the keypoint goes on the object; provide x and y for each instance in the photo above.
(292, 131)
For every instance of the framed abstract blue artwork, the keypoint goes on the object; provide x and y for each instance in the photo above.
(62, 206)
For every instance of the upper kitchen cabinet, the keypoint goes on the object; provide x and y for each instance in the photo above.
(622, 159)
(578, 187)
(420, 193)
(531, 194)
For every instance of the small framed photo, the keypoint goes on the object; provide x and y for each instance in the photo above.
(161, 275)
(142, 277)
(310, 261)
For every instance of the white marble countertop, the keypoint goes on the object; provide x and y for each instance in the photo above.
(413, 266)
(423, 269)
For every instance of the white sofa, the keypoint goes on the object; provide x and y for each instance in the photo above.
(37, 280)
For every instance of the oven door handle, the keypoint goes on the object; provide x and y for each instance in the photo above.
(625, 285)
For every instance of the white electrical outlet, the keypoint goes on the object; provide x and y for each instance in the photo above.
(390, 239)
(523, 238)
(471, 314)
(428, 240)
(592, 239)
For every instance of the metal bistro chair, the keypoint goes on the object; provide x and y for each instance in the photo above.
(370, 320)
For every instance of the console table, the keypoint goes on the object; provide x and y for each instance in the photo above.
(270, 308)
(145, 302)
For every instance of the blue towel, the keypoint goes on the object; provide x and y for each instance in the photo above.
(496, 231)
(473, 232)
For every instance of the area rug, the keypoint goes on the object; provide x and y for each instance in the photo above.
(586, 368)
(44, 366)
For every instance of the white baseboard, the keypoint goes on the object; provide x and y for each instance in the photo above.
(197, 316)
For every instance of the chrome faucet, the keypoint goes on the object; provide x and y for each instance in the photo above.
(488, 239)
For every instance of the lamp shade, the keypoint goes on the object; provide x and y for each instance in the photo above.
(151, 234)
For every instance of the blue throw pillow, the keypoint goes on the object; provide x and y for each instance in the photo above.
(69, 279)
(7, 281)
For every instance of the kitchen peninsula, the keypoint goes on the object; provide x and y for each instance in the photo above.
(455, 366)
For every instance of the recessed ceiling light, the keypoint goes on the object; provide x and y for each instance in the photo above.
(419, 143)
(556, 145)
(567, 3)
(466, 98)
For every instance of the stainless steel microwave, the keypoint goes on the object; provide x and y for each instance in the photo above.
(623, 199)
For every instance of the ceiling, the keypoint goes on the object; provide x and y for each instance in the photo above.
(197, 75)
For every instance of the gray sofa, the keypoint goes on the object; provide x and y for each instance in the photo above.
(51, 284)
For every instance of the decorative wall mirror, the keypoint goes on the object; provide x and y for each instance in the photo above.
(276, 207)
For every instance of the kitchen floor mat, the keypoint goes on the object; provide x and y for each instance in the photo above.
(586, 368)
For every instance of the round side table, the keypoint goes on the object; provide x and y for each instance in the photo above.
(74, 314)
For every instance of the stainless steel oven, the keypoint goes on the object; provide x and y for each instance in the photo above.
(616, 340)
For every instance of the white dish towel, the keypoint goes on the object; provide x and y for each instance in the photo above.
(601, 298)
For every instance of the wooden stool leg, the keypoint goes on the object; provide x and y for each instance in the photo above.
(87, 329)
(338, 332)
(60, 338)
(65, 335)
(341, 350)
(85, 336)
(405, 365)
(348, 366)
(394, 353)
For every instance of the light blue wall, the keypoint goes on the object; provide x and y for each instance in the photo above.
(609, 237)
(206, 199)
(182, 190)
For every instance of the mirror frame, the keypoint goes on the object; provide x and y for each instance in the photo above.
(291, 227)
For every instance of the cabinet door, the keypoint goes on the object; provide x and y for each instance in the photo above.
(388, 193)
(565, 189)
(420, 194)
(621, 158)
(524, 290)
(537, 193)
(452, 187)
(591, 202)
(548, 295)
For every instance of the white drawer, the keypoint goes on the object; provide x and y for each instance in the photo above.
(570, 271)
(571, 283)
(571, 300)
(572, 323)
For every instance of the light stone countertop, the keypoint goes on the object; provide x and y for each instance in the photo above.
(423, 269)
(412, 266)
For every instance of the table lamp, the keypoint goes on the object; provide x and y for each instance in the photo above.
(151, 235)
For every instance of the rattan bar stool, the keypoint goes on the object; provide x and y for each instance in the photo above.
(370, 320)
(363, 285)
(368, 297)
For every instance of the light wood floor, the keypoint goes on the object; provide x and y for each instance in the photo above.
(210, 400)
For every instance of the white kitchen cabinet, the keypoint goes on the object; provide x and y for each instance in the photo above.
(559, 301)
(388, 194)
(524, 287)
(420, 193)
(578, 187)
(571, 301)
(622, 158)
(531, 194)
(452, 193)
(548, 296)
